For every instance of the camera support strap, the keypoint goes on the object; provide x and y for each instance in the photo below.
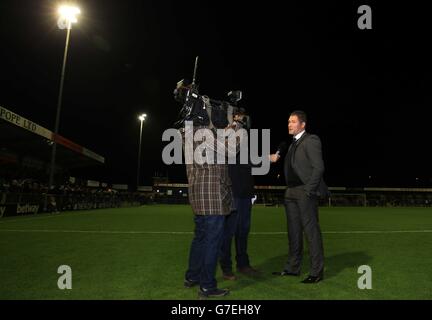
(230, 114)
(208, 108)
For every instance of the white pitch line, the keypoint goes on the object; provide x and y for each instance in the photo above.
(94, 231)
(190, 232)
(383, 231)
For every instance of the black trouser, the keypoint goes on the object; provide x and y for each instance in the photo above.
(302, 216)
(237, 224)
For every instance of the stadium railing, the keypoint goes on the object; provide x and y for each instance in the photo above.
(12, 204)
(175, 193)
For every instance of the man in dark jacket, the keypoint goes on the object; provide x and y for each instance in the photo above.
(237, 224)
(304, 168)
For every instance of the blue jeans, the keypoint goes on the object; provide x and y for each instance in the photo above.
(237, 225)
(204, 250)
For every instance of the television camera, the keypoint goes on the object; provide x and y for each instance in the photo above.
(204, 111)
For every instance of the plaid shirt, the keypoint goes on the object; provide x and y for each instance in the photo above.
(209, 184)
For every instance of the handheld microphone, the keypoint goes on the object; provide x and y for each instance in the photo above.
(282, 148)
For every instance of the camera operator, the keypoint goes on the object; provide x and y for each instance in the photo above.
(210, 193)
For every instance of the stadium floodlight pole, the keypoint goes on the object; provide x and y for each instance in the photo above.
(67, 17)
(142, 119)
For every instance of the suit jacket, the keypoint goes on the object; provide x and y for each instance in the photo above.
(308, 164)
(242, 180)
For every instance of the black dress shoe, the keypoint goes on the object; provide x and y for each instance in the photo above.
(313, 279)
(212, 293)
(229, 275)
(285, 273)
(249, 271)
(190, 283)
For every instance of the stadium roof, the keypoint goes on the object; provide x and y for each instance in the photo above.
(19, 135)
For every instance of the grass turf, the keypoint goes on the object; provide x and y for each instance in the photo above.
(142, 253)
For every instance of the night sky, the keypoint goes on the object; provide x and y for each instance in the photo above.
(367, 93)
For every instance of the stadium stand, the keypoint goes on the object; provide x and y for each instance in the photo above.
(25, 150)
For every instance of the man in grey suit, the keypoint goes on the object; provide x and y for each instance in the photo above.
(303, 168)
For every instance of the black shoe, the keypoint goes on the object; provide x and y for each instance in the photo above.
(212, 293)
(249, 271)
(285, 273)
(190, 283)
(229, 275)
(313, 279)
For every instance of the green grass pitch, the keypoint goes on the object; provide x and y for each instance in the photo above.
(142, 253)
